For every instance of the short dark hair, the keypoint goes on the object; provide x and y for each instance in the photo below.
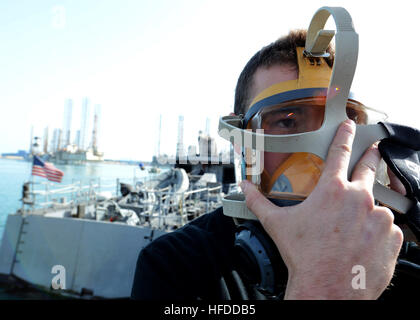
(280, 52)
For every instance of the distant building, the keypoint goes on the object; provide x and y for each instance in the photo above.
(206, 145)
(20, 155)
(96, 119)
(74, 156)
(84, 124)
(68, 110)
(55, 142)
(67, 151)
(77, 140)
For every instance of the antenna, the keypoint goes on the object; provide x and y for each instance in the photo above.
(180, 144)
(46, 140)
(159, 134)
(207, 126)
(32, 138)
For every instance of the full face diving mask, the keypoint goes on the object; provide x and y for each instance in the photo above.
(287, 131)
(289, 108)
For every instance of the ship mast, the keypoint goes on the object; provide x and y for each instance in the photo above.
(94, 133)
(159, 133)
(95, 129)
(32, 140)
(46, 140)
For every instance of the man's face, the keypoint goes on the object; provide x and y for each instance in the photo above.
(291, 117)
(264, 78)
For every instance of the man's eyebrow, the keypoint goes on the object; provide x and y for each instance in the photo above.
(288, 109)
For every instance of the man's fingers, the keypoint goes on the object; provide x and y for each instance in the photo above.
(338, 158)
(256, 202)
(365, 169)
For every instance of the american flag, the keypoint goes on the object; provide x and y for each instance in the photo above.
(46, 170)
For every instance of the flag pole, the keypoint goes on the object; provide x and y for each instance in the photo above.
(32, 183)
(32, 192)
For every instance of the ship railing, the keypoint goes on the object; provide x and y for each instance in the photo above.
(185, 205)
(68, 195)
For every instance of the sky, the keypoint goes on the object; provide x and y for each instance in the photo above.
(142, 60)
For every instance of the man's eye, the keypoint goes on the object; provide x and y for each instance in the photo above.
(357, 116)
(287, 123)
(286, 120)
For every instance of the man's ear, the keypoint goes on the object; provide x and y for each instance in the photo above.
(235, 147)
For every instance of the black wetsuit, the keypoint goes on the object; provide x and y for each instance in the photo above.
(197, 262)
(193, 262)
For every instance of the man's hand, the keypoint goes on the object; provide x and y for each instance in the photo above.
(336, 228)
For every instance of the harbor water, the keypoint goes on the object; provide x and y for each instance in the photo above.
(13, 173)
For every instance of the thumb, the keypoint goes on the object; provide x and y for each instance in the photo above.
(258, 203)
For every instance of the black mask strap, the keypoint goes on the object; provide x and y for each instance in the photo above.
(401, 153)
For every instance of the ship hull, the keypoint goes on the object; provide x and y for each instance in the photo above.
(98, 258)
